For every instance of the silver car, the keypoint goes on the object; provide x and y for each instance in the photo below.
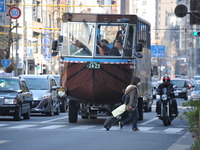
(44, 92)
(195, 94)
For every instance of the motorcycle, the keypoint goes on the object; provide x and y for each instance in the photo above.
(166, 107)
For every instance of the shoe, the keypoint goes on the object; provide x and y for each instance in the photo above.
(135, 129)
(121, 125)
(158, 115)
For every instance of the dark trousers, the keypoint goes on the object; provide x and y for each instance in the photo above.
(173, 104)
(133, 116)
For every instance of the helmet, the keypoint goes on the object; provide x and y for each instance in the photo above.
(166, 80)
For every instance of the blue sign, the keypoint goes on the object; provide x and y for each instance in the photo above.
(47, 42)
(2, 5)
(158, 51)
(5, 62)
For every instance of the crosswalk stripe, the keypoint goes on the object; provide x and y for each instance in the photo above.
(1, 125)
(149, 129)
(173, 130)
(22, 126)
(145, 128)
(83, 127)
(53, 127)
(3, 141)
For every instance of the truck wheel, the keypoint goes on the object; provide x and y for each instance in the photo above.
(73, 112)
(140, 108)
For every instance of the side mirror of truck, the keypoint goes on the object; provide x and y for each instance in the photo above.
(139, 47)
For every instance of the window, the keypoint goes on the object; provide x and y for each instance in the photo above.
(81, 39)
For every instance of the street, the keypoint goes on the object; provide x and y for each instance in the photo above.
(44, 132)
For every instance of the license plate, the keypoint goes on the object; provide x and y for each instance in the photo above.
(93, 65)
(176, 94)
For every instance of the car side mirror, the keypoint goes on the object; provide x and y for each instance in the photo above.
(139, 47)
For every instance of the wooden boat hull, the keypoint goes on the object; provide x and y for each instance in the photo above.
(96, 86)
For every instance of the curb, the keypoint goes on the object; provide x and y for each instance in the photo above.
(183, 143)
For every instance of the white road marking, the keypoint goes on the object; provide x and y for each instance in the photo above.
(83, 127)
(173, 130)
(54, 119)
(22, 126)
(144, 123)
(1, 125)
(4, 141)
(145, 128)
(53, 127)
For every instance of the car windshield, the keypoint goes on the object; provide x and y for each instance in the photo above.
(9, 84)
(197, 87)
(178, 83)
(37, 83)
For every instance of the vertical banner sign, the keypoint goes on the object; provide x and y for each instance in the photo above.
(2, 5)
(46, 47)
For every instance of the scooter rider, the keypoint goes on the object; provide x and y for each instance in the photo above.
(169, 86)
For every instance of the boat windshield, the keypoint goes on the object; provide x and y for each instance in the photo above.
(83, 39)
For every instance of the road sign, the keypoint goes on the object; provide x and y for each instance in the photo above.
(158, 51)
(14, 12)
(2, 5)
(5, 62)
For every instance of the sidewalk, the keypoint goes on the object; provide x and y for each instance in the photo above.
(183, 143)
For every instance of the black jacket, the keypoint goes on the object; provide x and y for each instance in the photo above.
(170, 89)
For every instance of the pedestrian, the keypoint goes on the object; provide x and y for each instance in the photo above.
(131, 107)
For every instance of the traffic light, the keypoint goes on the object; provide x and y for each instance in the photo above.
(196, 33)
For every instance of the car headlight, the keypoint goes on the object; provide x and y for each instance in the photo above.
(44, 97)
(10, 101)
(164, 97)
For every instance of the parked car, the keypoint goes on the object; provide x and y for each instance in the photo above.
(181, 89)
(15, 98)
(44, 92)
(147, 103)
(155, 84)
(195, 94)
(197, 79)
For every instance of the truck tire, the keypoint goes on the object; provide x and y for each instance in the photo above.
(140, 108)
(73, 112)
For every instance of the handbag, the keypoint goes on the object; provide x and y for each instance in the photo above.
(119, 110)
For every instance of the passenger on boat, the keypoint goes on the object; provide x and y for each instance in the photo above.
(82, 49)
(103, 48)
(121, 33)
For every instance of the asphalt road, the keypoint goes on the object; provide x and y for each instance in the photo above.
(56, 133)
